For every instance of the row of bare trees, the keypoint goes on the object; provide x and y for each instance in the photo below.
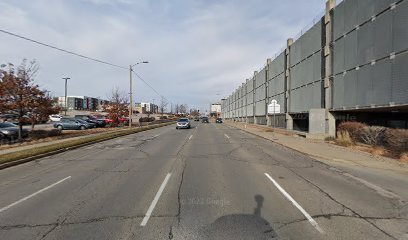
(181, 108)
(21, 96)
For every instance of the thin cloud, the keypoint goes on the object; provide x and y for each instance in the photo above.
(195, 48)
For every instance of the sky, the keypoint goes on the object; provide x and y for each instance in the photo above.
(199, 51)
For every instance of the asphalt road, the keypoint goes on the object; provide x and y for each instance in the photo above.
(208, 182)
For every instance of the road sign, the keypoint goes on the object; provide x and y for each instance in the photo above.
(273, 107)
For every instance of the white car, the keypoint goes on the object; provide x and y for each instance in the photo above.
(55, 118)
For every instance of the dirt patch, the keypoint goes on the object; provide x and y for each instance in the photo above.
(404, 157)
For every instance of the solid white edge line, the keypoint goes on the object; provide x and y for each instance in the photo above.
(155, 200)
(226, 136)
(33, 194)
(293, 201)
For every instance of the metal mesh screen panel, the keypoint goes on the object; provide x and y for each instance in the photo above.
(294, 77)
(250, 110)
(338, 56)
(350, 50)
(277, 66)
(350, 13)
(381, 82)
(260, 108)
(317, 66)
(338, 91)
(311, 40)
(307, 71)
(366, 9)
(350, 89)
(276, 85)
(250, 97)
(295, 53)
(364, 86)
(260, 78)
(365, 41)
(400, 27)
(338, 21)
(399, 87)
(250, 85)
(383, 35)
(260, 93)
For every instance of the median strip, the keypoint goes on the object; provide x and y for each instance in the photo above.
(22, 156)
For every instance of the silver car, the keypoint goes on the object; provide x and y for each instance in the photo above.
(183, 123)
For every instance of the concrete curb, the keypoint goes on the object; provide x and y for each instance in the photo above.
(32, 158)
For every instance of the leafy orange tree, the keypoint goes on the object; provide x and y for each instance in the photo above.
(20, 95)
(118, 106)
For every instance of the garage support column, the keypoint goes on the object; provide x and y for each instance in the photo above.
(289, 119)
(330, 125)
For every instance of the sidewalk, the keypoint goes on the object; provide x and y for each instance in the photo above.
(321, 150)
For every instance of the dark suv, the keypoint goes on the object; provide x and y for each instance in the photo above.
(205, 120)
(92, 119)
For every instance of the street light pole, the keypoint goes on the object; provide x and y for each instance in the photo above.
(66, 104)
(130, 92)
(131, 99)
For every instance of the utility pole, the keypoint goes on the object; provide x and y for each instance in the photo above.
(66, 104)
(130, 92)
(131, 98)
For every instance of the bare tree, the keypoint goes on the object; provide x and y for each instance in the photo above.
(183, 108)
(163, 105)
(194, 112)
(177, 108)
(118, 105)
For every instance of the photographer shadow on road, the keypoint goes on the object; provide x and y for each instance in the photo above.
(240, 226)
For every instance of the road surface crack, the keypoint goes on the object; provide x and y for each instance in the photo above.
(179, 192)
(355, 214)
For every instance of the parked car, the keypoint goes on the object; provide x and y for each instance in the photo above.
(10, 131)
(104, 118)
(122, 120)
(196, 119)
(72, 124)
(90, 124)
(9, 117)
(183, 123)
(55, 118)
(13, 118)
(205, 120)
(92, 119)
(218, 120)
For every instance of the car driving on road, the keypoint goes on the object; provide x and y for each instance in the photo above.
(183, 123)
(218, 120)
(205, 120)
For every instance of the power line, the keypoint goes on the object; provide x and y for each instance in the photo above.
(60, 49)
(79, 55)
(150, 86)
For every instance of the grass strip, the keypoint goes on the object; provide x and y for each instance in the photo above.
(27, 153)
